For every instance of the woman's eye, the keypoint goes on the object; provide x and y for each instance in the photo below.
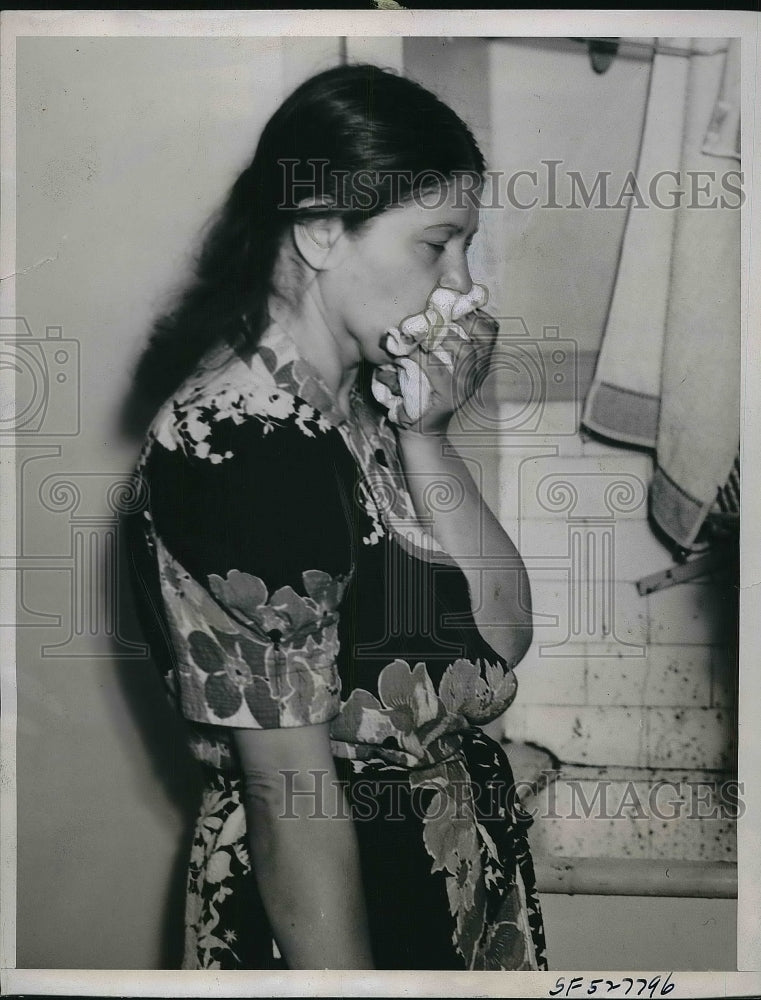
(437, 247)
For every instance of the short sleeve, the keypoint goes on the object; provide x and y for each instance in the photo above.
(253, 556)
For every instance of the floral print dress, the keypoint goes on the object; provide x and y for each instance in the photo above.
(286, 581)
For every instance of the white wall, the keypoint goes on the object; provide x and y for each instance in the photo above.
(558, 264)
(638, 934)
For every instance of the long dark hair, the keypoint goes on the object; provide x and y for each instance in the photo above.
(341, 136)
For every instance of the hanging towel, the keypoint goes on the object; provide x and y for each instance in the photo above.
(668, 373)
(624, 400)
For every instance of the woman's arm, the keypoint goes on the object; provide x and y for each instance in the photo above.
(472, 535)
(304, 848)
(469, 531)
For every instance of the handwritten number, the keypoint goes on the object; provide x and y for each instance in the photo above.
(562, 987)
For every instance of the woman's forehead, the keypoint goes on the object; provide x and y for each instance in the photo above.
(431, 210)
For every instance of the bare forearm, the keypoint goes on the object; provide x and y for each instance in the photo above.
(474, 538)
(309, 879)
(303, 847)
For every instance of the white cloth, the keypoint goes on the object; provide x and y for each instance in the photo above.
(668, 374)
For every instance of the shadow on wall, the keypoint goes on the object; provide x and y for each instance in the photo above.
(140, 404)
(173, 768)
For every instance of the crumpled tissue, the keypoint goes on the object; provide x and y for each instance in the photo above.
(401, 385)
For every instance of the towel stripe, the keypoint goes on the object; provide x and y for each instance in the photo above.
(728, 497)
(622, 414)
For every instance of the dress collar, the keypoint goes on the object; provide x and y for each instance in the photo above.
(281, 357)
(366, 433)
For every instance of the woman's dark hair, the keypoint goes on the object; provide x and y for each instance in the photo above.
(359, 137)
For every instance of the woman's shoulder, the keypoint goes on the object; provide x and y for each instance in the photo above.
(228, 400)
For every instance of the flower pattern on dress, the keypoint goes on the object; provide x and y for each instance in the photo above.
(218, 857)
(247, 658)
(245, 654)
(408, 719)
(498, 922)
(412, 724)
(476, 879)
(384, 491)
(478, 695)
(222, 389)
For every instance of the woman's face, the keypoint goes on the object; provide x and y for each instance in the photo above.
(386, 271)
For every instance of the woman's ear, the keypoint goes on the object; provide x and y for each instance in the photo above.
(316, 240)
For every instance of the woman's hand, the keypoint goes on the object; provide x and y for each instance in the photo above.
(440, 382)
(437, 360)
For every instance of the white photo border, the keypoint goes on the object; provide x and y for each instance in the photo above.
(136, 23)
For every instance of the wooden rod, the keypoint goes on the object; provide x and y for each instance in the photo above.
(636, 877)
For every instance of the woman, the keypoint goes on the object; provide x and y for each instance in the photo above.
(311, 597)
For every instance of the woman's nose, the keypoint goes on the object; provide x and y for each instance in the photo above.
(457, 277)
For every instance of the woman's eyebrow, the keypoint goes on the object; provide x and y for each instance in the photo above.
(450, 225)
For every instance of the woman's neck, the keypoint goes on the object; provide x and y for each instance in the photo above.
(335, 357)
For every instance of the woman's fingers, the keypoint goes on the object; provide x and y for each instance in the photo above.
(437, 367)
(481, 327)
(469, 343)
(471, 358)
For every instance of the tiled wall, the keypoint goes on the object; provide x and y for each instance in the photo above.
(651, 687)
(639, 692)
